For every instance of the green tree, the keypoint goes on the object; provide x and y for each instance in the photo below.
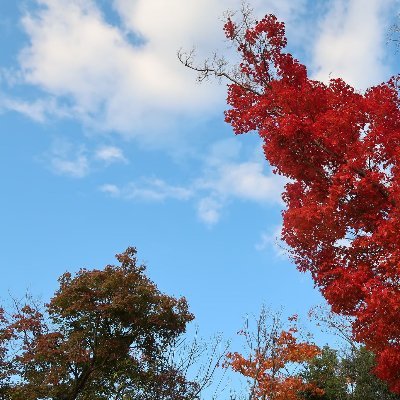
(325, 372)
(358, 368)
(346, 378)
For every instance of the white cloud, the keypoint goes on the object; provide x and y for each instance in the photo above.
(246, 181)
(351, 43)
(226, 176)
(236, 180)
(110, 154)
(114, 83)
(192, 23)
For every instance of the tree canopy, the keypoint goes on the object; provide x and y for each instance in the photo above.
(104, 335)
(346, 377)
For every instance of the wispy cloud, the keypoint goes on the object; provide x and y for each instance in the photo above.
(110, 154)
(77, 167)
(77, 160)
(271, 239)
(112, 190)
(38, 110)
(148, 189)
(223, 179)
(67, 159)
(209, 210)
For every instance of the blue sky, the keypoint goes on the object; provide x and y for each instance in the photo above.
(108, 142)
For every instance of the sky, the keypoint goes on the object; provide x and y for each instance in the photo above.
(107, 141)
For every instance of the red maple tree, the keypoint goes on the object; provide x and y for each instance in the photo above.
(340, 150)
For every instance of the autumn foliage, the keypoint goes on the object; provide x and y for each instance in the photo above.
(103, 335)
(270, 365)
(340, 150)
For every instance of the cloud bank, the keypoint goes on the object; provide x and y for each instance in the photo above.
(122, 74)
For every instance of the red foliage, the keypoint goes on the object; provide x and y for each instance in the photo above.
(341, 151)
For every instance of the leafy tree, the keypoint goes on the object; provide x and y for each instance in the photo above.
(347, 374)
(104, 335)
(324, 371)
(273, 354)
(341, 151)
(346, 378)
(363, 384)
